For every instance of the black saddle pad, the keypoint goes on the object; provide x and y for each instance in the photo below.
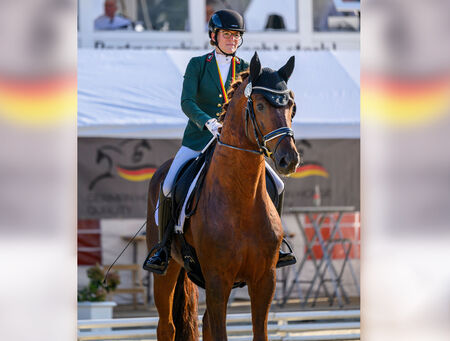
(272, 188)
(186, 176)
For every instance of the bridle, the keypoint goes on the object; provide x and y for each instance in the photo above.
(261, 140)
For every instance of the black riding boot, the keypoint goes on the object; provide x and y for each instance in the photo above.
(160, 260)
(284, 258)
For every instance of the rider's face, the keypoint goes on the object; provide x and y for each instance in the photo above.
(228, 40)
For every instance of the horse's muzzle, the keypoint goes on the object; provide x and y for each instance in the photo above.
(286, 158)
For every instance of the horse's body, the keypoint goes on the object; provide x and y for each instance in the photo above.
(236, 232)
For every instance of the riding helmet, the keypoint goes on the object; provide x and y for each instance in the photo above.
(226, 19)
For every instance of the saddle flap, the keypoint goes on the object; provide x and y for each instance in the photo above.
(272, 188)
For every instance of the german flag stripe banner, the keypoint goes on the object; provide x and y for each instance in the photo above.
(409, 102)
(310, 170)
(39, 102)
(138, 174)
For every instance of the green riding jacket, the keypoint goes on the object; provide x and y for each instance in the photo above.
(202, 97)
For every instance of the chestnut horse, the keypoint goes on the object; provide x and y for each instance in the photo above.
(236, 230)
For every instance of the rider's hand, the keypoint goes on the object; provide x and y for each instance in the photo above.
(213, 126)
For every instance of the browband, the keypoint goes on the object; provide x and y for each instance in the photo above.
(271, 90)
(249, 89)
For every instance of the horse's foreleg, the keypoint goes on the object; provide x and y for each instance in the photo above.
(164, 288)
(261, 295)
(217, 293)
(205, 329)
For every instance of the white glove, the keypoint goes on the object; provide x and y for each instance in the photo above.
(213, 126)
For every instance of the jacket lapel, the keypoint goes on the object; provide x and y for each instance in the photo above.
(213, 72)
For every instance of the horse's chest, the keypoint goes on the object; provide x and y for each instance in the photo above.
(249, 230)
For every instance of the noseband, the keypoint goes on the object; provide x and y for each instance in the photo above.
(261, 139)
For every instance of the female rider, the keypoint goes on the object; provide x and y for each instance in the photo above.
(206, 81)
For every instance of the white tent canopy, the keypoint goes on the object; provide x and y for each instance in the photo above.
(136, 93)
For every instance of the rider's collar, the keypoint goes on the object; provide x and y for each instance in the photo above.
(222, 59)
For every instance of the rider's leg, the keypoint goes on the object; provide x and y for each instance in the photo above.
(284, 258)
(183, 155)
(159, 261)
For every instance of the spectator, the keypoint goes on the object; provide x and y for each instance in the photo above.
(326, 9)
(209, 12)
(111, 21)
(322, 10)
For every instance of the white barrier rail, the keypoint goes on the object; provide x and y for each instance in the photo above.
(282, 326)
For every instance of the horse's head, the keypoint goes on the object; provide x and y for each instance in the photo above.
(269, 113)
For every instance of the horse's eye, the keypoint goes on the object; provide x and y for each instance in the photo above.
(260, 106)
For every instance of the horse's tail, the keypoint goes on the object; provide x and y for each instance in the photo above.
(185, 314)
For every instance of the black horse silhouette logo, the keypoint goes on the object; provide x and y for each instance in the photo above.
(133, 170)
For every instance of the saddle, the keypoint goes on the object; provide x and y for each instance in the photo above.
(183, 181)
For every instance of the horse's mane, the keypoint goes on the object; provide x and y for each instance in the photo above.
(233, 87)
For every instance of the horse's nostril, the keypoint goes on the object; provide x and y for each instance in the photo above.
(283, 163)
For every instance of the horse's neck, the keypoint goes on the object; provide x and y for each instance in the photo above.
(233, 131)
(244, 169)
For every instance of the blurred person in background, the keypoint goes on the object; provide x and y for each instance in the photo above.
(326, 9)
(209, 8)
(110, 20)
(202, 102)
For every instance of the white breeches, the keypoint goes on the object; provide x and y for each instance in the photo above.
(183, 155)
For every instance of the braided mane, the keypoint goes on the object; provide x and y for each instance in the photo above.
(238, 81)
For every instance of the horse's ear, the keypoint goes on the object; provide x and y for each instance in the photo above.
(286, 71)
(255, 67)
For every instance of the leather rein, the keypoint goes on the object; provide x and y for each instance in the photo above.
(261, 139)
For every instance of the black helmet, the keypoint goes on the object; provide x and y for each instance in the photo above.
(226, 19)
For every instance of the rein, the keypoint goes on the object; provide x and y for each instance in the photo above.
(220, 143)
(261, 139)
